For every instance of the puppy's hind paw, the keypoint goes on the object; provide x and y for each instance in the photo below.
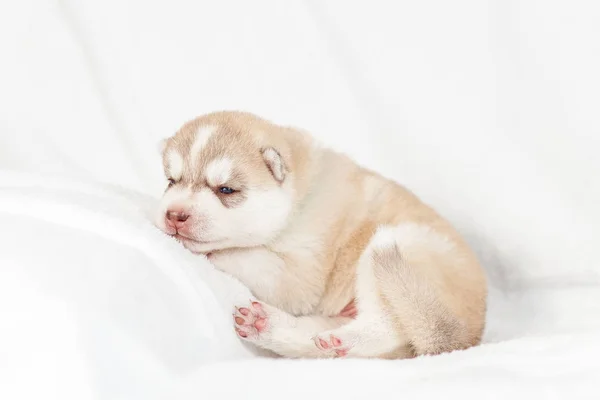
(331, 345)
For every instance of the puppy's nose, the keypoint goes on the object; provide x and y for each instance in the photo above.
(176, 216)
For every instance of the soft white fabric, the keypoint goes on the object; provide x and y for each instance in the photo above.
(486, 109)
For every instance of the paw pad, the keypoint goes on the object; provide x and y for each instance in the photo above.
(250, 321)
(331, 344)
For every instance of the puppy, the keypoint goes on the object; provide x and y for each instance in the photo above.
(343, 261)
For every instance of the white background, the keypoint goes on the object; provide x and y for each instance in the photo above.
(486, 109)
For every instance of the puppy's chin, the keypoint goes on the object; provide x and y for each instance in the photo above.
(198, 247)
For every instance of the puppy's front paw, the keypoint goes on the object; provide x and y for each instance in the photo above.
(252, 322)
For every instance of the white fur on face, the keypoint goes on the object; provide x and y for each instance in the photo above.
(263, 214)
(218, 171)
(202, 136)
(256, 221)
(175, 164)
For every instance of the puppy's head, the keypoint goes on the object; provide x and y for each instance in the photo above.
(228, 183)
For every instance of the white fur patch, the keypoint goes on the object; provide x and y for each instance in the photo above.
(258, 268)
(218, 171)
(202, 136)
(410, 235)
(177, 196)
(385, 237)
(175, 163)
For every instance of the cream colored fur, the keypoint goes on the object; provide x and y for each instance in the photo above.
(322, 232)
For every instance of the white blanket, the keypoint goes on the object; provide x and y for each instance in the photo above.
(486, 109)
(96, 300)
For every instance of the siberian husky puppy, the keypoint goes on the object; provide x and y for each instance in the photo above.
(342, 261)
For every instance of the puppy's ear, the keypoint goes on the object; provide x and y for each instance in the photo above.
(162, 145)
(275, 163)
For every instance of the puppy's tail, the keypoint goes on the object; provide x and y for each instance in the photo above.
(418, 312)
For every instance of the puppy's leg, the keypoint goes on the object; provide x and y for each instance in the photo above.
(401, 277)
(433, 287)
(266, 326)
(273, 329)
(372, 333)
